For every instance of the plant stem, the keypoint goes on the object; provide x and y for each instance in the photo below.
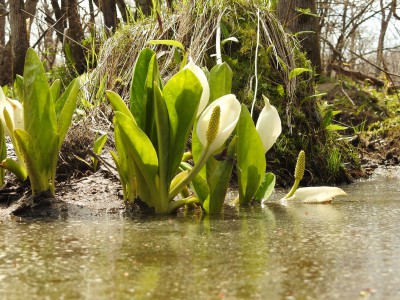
(193, 172)
(293, 189)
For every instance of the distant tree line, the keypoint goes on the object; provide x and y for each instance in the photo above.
(333, 33)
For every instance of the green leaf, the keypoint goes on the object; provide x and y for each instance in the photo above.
(198, 184)
(163, 144)
(280, 90)
(220, 81)
(19, 87)
(40, 117)
(297, 71)
(182, 96)
(327, 118)
(65, 106)
(55, 89)
(168, 43)
(138, 93)
(250, 157)
(99, 143)
(15, 168)
(218, 187)
(335, 127)
(140, 148)
(97, 147)
(27, 148)
(118, 104)
(266, 188)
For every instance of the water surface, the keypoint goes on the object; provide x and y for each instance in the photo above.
(349, 249)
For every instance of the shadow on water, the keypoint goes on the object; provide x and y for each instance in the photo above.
(345, 250)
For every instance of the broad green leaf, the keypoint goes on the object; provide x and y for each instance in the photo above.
(220, 81)
(138, 93)
(67, 102)
(55, 89)
(27, 148)
(118, 104)
(153, 76)
(182, 96)
(266, 188)
(39, 114)
(141, 149)
(218, 187)
(163, 144)
(168, 43)
(297, 71)
(250, 157)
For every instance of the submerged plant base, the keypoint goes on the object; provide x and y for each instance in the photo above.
(33, 205)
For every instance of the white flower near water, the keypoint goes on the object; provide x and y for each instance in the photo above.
(318, 194)
(268, 125)
(14, 109)
(205, 95)
(229, 108)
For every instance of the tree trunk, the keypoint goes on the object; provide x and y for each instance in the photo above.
(30, 8)
(19, 37)
(5, 64)
(385, 19)
(145, 6)
(3, 13)
(75, 33)
(109, 11)
(295, 22)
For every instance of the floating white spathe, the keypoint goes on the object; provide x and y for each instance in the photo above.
(268, 125)
(319, 194)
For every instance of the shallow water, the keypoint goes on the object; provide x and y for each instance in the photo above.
(349, 249)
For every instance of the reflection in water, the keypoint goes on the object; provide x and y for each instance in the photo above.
(301, 251)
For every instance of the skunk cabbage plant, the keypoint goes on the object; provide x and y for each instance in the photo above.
(319, 194)
(37, 125)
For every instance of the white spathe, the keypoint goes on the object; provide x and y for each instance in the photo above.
(14, 109)
(318, 194)
(268, 125)
(205, 95)
(230, 112)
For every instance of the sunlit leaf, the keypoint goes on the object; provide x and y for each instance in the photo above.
(182, 96)
(266, 187)
(250, 157)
